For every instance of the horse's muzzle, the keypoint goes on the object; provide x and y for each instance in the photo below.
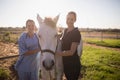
(48, 66)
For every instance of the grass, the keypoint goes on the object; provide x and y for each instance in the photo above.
(100, 64)
(114, 43)
(4, 75)
(13, 38)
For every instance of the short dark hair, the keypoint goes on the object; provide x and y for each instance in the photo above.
(74, 13)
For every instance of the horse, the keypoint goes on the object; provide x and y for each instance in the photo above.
(50, 64)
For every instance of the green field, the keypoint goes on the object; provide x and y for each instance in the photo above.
(100, 64)
(115, 43)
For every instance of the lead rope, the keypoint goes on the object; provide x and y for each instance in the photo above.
(55, 60)
(50, 75)
(41, 54)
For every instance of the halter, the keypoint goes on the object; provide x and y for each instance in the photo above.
(52, 52)
(48, 50)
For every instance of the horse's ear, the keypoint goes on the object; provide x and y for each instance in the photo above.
(39, 19)
(56, 18)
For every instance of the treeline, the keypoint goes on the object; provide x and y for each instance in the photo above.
(98, 30)
(12, 30)
(81, 29)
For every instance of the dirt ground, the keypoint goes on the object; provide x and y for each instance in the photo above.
(8, 49)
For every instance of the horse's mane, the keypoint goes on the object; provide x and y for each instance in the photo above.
(49, 21)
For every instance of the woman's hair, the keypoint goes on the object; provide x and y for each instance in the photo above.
(29, 20)
(74, 13)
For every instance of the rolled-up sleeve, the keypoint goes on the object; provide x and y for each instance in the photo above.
(21, 44)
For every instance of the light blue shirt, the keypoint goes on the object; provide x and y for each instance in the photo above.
(31, 62)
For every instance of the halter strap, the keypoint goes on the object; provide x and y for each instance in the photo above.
(47, 50)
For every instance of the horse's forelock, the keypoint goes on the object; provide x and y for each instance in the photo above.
(49, 21)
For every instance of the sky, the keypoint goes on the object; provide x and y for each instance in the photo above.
(90, 13)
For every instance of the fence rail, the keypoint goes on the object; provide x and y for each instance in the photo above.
(104, 35)
(7, 57)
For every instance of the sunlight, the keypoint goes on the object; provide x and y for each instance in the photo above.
(90, 13)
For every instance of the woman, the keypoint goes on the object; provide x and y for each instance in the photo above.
(70, 41)
(28, 63)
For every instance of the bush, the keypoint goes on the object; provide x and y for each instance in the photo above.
(6, 36)
(4, 75)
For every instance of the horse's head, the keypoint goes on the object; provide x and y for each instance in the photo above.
(48, 40)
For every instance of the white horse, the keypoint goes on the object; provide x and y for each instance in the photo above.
(51, 64)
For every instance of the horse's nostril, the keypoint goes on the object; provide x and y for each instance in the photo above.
(43, 63)
(52, 62)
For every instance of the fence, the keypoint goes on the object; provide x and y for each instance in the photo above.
(101, 35)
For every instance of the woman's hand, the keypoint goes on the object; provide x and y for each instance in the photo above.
(37, 50)
(59, 53)
(32, 52)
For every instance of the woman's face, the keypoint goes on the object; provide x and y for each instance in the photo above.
(30, 27)
(70, 19)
